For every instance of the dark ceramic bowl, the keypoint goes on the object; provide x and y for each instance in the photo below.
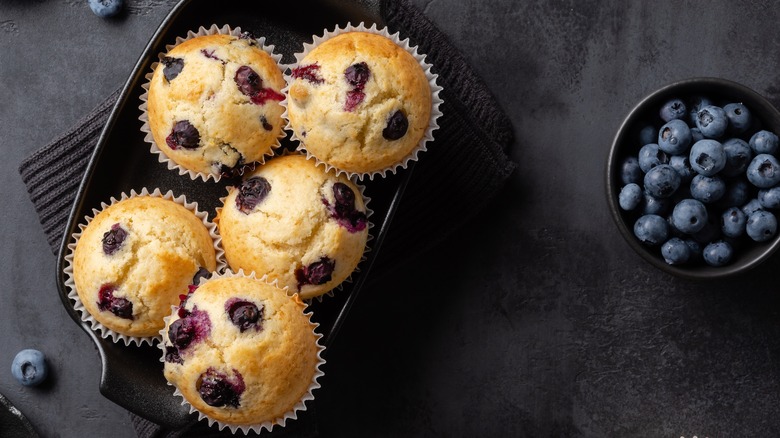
(747, 254)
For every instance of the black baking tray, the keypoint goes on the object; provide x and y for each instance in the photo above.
(131, 375)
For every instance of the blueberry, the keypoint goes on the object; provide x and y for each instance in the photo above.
(113, 239)
(764, 171)
(737, 194)
(200, 274)
(248, 81)
(251, 85)
(184, 135)
(764, 142)
(689, 216)
(191, 327)
(217, 390)
(653, 205)
(738, 156)
(674, 137)
(695, 248)
(707, 157)
(761, 226)
(769, 198)
(105, 8)
(712, 121)
(630, 172)
(396, 127)
(630, 197)
(739, 117)
(696, 135)
(172, 67)
(648, 134)
(357, 75)
(707, 189)
(733, 222)
(662, 181)
(650, 156)
(711, 229)
(121, 307)
(651, 229)
(751, 207)
(252, 192)
(244, 314)
(672, 109)
(694, 105)
(718, 253)
(181, 332)
(675, 251)
(682, 165)
(316, 273)
(29, 367)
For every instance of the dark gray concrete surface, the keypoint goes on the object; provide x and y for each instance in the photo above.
(537, 319)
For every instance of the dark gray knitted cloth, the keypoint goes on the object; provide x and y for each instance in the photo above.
(467, 160)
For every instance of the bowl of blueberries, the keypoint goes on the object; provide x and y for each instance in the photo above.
(693, 178)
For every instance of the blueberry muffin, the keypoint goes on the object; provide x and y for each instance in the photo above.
(296, 223)
(135, 258)
(241, 351)
(214, 103)
(359, 102)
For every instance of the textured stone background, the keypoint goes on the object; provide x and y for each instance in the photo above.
(537, 319)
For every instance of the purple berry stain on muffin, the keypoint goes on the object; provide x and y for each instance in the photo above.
(244, 314)
(356, 75)
(252, 192)
(266, 125)
(217, 389)
(316, 273)
(190, 328)
(397, 124)
(183, 135)
(250, 84)
(210, 54)
(172, 67)
(309, 73)
(113, 239)
(344, 210)
(182, 312)
(121, 307)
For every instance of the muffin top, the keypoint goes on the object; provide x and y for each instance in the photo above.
(296, 223)
(240, 350)
(214, 103)
(359, 102)
(135, 258)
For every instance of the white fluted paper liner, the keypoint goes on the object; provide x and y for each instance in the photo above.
(370, 237)
(292, 414)
(436, 100)
(144, 117)
(73, 295)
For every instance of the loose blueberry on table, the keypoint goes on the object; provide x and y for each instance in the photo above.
(29, 367)
(105, 8)
(712, 174)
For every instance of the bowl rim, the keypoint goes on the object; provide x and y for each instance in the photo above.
(724, 87)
